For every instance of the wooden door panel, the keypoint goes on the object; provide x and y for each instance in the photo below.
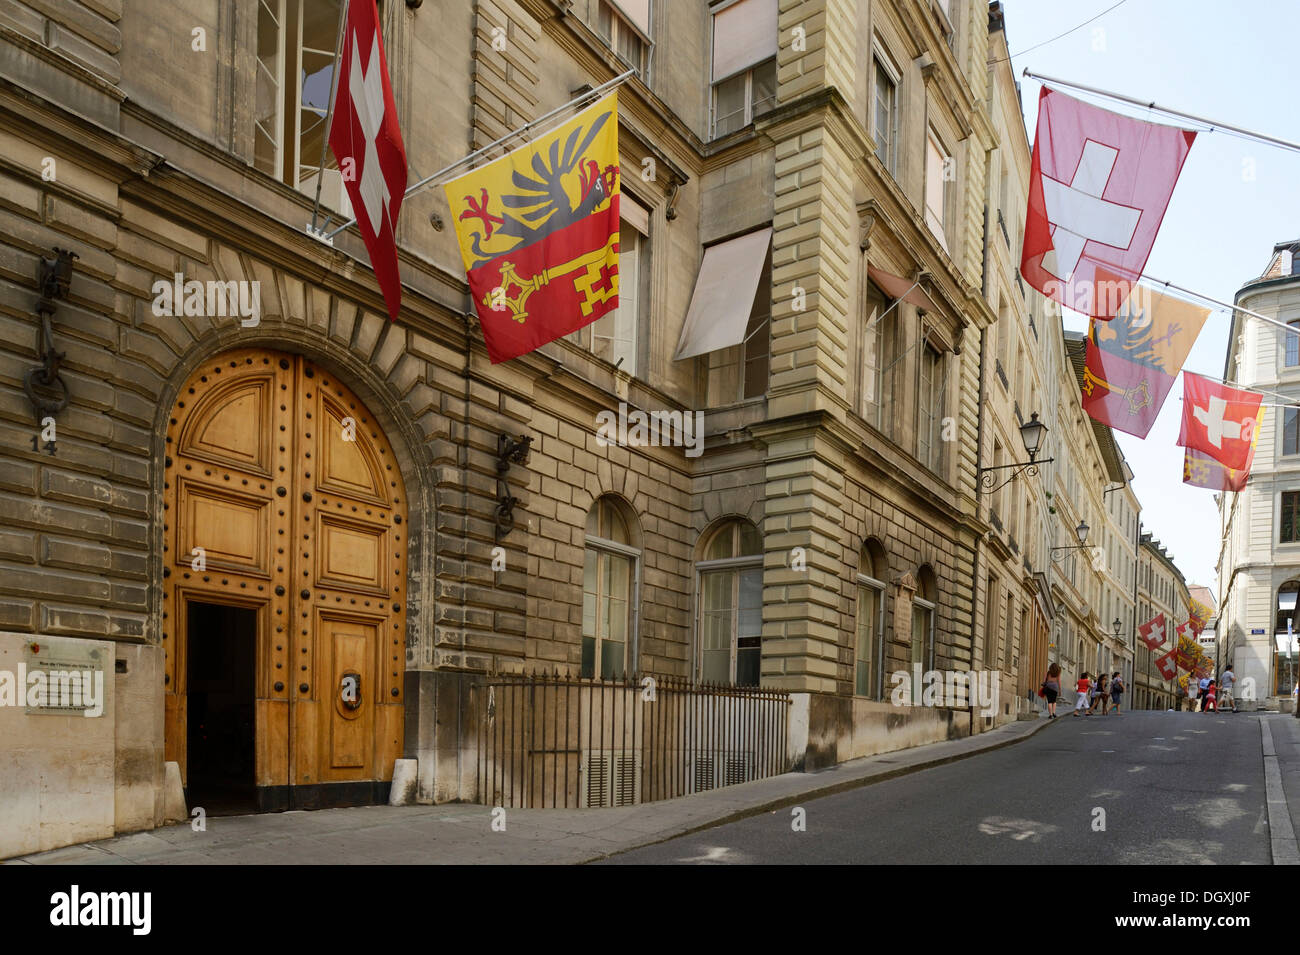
(286, 481)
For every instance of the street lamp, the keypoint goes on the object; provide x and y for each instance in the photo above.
(1032, 433)
(1081, 532)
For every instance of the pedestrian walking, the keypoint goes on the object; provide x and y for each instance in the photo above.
(1116, 691)
(1101, 694)
(1051, 689)
(1082, 688)
(1202, 686)
(1226, 682)
(1193, 696)
(1208, 706)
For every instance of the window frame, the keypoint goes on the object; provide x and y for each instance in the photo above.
(618, 24)
(881, 61)
(945, 157)
(605, 546)
(933, 404)
(1282, 517)
(1290, 432)
(876, 663)
(749, 112)
(640, 319)
(1291, 346)
(722, 565)
(930, 608)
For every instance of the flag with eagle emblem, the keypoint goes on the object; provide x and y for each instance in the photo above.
(538, 231)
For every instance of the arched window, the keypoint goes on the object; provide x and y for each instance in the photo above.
(923, 620)
(870, 641)
(610, 581)
(731, 605)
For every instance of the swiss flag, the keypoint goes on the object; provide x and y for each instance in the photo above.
(1098, 189)
(1165, 664)
(367, 142)
(1153, 631)
(1219, 421)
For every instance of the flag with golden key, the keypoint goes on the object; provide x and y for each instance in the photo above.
(538, 231)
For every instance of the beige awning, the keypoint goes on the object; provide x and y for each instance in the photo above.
(744, 34)
(897, 287)
(724, 294)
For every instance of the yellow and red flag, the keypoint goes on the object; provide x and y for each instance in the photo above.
(1133, 359)
(1201, 470)
(1187, 653)
(1198, 615)
(538, 231)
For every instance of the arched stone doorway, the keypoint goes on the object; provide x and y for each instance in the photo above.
(285, 546)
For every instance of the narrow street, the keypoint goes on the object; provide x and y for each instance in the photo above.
(1175, 788)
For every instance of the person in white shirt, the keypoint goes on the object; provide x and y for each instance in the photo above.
(1226, 681)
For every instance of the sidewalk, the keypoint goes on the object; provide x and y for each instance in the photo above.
(462, 834)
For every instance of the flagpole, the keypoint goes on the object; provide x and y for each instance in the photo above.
(1212, 124)
(447, 170)
(329, 111)
(1295, 330)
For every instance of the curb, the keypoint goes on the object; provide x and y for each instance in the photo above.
(821, 792)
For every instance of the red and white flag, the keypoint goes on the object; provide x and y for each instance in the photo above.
(1219, 421)
(1153, 631)
(1166, 665)
(1098, 189)
(367, 142)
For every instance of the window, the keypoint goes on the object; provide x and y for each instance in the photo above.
(1008, 623)
(731, 606)
(609, 585)
(922, 650)
(869, 366)
(624, 25)
(1293, 345)
(1290, 524)
(744, 64)
(938, 173)
(741, 371)
(614, 335)
(295, 70)
(884, 116)
(990, 618)
(929, 409)
(1291, 431)
(870, 644)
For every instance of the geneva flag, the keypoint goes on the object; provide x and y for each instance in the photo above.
(1133, 359)
(1098, 189)
(367, 142)
(538, 231)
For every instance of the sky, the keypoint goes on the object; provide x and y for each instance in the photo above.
(1235, 63)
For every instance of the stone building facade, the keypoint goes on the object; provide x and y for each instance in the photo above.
(1161, 589)
(332, 500)
(1259, 559)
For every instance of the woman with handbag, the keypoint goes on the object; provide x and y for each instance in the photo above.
(1051, 689)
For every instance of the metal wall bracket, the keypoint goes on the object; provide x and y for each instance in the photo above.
(45, 387)
(509, 451)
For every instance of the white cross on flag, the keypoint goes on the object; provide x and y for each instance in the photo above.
(367, 142)
(1098, 190)
(1218, 420)
(1153, 631)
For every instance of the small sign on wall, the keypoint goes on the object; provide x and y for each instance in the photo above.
(62, 680)
(1257, 631)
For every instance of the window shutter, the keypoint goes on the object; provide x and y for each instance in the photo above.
(743, 34)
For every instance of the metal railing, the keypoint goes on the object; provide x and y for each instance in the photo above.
(555, 741)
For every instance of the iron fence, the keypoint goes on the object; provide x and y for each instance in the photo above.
(555, 741)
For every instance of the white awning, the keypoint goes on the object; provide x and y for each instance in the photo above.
(743, 34)
(724, 294)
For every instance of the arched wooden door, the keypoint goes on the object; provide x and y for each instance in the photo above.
(285, 533)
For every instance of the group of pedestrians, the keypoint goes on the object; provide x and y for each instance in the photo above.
(1206, 695)
(1209, 696)
(1106, 692)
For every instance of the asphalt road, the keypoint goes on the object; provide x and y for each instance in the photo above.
(1144, 787)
